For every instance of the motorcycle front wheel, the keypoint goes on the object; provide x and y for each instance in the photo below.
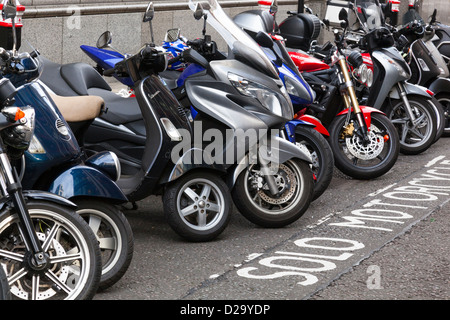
(418, 135)
(4, 286)
(73, 269)
(198, 206)
(114, 236)
(361, 160)
(295, 183)
(322, 157)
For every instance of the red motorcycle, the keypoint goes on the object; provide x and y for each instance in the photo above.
(364, 142)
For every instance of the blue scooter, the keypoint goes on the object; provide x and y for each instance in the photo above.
(55, 163)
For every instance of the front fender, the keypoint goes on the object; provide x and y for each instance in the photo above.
(440, 85)
(194, 158)
(86, 181)
(280, 152)
(410, 89)
(367, 113)
(47, 196)
(316, 122)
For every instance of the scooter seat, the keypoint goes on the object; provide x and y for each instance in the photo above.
(79, 108)
(120, 110)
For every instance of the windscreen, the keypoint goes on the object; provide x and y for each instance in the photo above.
(369, 14)
(240, 43)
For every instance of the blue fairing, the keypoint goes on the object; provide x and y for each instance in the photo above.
(189, 71)
(82, 181)
(290, 128)
(107, 59)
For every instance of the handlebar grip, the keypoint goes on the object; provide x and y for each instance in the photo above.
(173, 60)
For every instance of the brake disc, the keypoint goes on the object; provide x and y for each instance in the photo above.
(286, 183)
(370, 151)
(23, 287)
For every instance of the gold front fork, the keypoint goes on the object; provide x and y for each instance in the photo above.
(349, 96)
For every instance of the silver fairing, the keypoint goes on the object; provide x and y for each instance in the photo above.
(392, 74)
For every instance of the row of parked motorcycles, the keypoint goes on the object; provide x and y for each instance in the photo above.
(261, 126)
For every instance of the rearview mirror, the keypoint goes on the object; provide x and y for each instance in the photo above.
(343, 15)
(264, 40)
(149, 13)
(198, 13)
(104, 40)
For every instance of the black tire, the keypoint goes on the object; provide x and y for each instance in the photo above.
(75, 255)
(440, 117)
(322, 157)
(114, 235)
(413, 139)
(444, 100)
(4, 286)
(206, 201)
(254, 203)
(357, 161)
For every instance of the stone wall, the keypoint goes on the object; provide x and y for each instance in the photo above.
(67, 24)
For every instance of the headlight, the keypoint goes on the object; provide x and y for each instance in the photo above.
(18, 137)
(277, 102)
(369, 77)
(364, 75)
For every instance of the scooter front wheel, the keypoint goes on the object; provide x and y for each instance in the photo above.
(114, 235)
(73, 267)
(359, 159)
(253, 199)
(418, 135)
(198, 206)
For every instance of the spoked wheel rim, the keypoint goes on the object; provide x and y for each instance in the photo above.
(412, 134)
(201, 204)
(67, 271)
(290, 183)
(107, 234)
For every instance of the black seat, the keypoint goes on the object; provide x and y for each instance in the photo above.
(71, 79)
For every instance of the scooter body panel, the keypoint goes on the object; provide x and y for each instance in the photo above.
(386, 74)
(82, 181)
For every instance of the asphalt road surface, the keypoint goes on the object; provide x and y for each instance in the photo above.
(382, 239)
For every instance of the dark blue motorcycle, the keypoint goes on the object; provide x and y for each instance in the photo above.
(55, 163)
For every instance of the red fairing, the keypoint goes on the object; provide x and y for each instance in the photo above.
(318, 125)
(306, 63)
(367, 60)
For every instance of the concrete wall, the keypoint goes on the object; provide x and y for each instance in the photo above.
(59, 36)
